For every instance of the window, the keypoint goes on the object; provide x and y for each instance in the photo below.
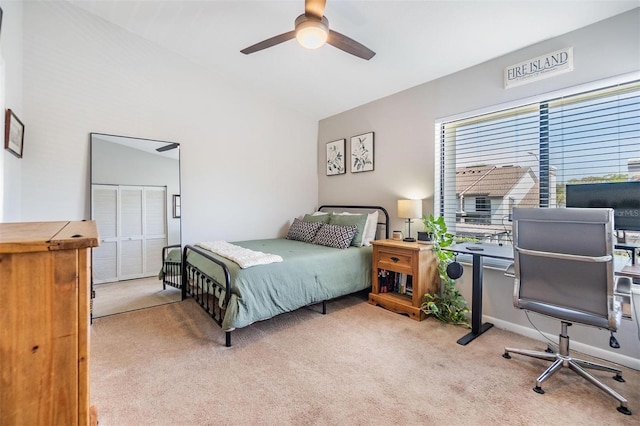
(483, 204)
(525, 156)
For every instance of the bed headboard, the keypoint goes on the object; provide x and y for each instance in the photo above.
(383, 219)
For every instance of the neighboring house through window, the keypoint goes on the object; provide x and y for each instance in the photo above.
(524, 156)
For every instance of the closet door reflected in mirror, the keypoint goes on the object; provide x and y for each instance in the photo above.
(133, 184)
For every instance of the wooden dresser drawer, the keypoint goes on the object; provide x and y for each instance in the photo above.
(397, 260)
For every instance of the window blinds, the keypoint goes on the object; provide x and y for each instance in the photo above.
(524, 157)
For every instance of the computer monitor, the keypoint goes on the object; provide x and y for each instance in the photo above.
(622, 197)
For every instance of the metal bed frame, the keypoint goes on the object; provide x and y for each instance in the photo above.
(172, 270)
(214, 296)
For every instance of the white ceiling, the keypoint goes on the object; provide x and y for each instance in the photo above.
(415, 41)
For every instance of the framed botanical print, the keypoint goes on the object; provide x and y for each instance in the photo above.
(336, 157)
(362, 153)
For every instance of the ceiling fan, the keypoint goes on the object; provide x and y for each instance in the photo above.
(168, 147)
(312, 31)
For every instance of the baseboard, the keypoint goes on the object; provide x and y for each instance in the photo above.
(604, 354)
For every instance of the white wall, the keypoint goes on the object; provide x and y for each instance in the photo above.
(247, 163)
(10, 97)
(405, 145)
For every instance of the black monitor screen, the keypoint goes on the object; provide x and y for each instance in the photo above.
(622, 197)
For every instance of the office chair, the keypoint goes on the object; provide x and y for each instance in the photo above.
(563, 263)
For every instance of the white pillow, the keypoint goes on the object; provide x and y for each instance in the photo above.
(370, 227)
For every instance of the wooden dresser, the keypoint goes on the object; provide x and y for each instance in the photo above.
(45, 271)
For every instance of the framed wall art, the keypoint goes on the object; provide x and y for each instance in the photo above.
(336, 158)
(13, 134)
(176, 205)
(362, 153)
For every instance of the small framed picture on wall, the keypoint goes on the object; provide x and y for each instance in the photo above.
(362, 153)
(176, 206)
(13, 134)
(336, 157)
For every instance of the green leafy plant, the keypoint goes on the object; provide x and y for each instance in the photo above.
(448, 306)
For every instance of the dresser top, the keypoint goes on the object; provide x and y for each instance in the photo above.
(415, 246)
(22, 237)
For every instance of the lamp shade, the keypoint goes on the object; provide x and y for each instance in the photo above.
(409, 209)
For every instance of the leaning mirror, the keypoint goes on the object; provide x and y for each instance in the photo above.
(135, 201)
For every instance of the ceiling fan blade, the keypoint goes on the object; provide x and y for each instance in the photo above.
(269, 42)
(349, 45)
(314, 8)
(168, 147)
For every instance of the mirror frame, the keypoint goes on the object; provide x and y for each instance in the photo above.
(130, 162)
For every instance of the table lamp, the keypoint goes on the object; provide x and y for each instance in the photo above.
(409, 209)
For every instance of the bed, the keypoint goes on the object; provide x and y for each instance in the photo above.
(171, 272)
(308, 274)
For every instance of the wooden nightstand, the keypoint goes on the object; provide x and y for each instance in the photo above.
(402, 273)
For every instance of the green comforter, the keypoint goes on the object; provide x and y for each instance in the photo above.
(309, 274)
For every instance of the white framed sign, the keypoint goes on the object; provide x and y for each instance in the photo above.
(535, 69)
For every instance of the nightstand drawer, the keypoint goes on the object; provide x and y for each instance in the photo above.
(396, 260)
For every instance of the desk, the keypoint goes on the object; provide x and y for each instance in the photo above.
(632, 271)
(624, 269)
(631, 248)
(479, 251)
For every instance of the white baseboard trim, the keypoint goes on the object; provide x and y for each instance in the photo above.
(606, 355)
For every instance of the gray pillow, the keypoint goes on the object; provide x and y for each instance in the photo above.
(336, 236)
(352, 219)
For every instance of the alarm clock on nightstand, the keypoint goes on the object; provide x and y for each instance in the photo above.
(425, 238)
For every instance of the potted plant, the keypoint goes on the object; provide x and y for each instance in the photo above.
(449, 306)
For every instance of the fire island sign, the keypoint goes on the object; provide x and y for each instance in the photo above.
(535, 69)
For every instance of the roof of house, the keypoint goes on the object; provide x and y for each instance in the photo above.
(532, 198)
(489, 180)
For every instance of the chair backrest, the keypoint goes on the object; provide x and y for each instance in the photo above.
(563, 261)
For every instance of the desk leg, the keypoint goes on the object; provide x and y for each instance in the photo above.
(477, 328)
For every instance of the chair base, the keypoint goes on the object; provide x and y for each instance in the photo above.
(561, 358)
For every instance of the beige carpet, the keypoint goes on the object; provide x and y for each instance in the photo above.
(357, 365)
(130, 295)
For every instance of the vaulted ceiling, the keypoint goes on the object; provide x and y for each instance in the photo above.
(415, 41)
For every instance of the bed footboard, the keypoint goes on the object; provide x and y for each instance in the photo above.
(213, 296)
(171, 273)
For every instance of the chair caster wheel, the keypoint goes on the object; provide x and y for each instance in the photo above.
(624, 410)
(538, 389)
(506, 355)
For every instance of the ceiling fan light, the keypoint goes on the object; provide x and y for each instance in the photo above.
(312, 34)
